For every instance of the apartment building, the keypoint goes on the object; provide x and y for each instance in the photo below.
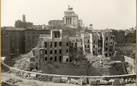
(76, 43)
(53, 47)
(5, 42)
(32, 36)
(98, 43)
(15, 40)
(109, 44)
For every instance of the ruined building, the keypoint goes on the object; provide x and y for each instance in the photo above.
(108, 44)
(76, 43)
(98, 43)
(52, 47)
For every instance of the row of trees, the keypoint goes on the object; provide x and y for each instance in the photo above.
(122, 37)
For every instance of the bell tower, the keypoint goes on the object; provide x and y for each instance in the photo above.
(23, 18)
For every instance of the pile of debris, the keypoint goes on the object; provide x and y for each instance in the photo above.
(11, 82)
(103, 62)
(23, 62)
(99, 61)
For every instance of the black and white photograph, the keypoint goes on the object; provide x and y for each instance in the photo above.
(68, 42)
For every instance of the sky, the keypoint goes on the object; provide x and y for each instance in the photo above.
(116, 14)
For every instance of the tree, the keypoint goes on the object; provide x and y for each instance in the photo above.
(87, 65)
(77, 56)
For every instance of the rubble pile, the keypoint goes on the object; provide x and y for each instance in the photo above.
(43, 78)
(28, 55)
(13, 80)
(23, 63)
(30, 83)
(101, 63)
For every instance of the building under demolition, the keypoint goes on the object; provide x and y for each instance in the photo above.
(55, 48)
(76, 43)
(98, 43)
(52, 47)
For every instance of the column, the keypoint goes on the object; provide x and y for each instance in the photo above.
(103, 40)
(66, 20)
(70, 20)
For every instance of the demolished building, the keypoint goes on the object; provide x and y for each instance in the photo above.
(52, 47)
(98, 43)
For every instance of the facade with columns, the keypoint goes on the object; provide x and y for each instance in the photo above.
(70, 19)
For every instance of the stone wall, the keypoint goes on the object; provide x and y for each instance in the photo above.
(63, 78)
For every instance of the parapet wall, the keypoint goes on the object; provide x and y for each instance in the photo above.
(14, 70)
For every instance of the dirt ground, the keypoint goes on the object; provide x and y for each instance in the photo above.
(5, 75)
(68, 69)
(25, 82)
